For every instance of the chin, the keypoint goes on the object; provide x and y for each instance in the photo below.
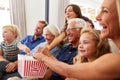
(103, 36)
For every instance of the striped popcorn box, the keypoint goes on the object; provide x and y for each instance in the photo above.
(29, 67)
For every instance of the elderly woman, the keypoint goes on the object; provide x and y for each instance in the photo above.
(107, 66)
(50, 32)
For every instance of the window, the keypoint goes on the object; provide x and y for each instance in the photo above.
(4, 15)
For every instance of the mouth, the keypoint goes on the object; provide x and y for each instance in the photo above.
(103, 28)
(68, 17)
(82, 51)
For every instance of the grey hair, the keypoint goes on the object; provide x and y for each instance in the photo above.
(80, 23)
(52, 29)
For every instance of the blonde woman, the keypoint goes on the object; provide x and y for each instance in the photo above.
(105, 67)
(91, 47)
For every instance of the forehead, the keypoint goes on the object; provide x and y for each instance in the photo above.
(69, 7)
(110, 4)
(40, 24)
(87, 35)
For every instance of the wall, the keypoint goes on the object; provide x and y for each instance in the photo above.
(56, 12)
(35, 10)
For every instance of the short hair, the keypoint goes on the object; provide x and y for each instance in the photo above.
(80, 23)
(52, 29)
(43, 22)
(13, 28)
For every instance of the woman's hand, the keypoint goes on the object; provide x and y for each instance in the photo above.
(44, 52)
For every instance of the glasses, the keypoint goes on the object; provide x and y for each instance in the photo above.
(70, 29)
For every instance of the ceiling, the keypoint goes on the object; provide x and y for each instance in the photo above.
(88, 3)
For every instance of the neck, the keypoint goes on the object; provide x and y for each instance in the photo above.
(35, 37)
(117, 42)
(9, 42)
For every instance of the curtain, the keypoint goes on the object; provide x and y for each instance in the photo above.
(17, 15)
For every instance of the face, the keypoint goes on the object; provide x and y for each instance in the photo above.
(108, 19)
(69, 13)
(39, 29)
(87, 45)
(48, 36)
(8, 35)
(73, 34)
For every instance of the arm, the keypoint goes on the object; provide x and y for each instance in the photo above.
(23, 47)
(1, 53)
(57, 40)
(1, 56)
(102, 68)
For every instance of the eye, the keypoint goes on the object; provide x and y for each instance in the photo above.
(105, 10)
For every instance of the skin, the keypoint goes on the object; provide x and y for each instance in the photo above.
(108, 19)
(69, 13)
(73, 34)
(48, 36)
(102, 68)
(38, 29)
(37, 32)
(87, 47)
(8, 37)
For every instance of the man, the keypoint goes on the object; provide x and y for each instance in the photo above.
(70, 50)
(107, 66)
(31, 41)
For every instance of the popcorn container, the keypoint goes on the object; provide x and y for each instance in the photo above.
(29, 67)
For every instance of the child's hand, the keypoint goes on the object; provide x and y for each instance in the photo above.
(11, 67)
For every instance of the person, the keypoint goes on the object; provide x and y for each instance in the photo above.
(91, 47)
(89, 22)
(9, 50)
(69, 51)
(71, 11)
(31, 41)
(105, 67)
(50, 32)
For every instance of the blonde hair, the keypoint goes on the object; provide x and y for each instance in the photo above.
(13, 28)
(102, 44)
(118, 10)
(52, 29)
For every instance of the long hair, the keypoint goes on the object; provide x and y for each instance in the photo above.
(103, 46)
(77, 11)
(118, 10)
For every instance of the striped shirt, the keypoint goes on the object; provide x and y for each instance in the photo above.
(10, 51)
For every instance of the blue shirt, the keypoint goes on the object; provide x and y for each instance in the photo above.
(29, 42)
(66, 55)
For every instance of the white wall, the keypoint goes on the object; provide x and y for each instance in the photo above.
(35, 10)
(56, 12)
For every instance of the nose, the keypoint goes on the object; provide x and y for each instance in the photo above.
(80, 46)
(98, 18)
